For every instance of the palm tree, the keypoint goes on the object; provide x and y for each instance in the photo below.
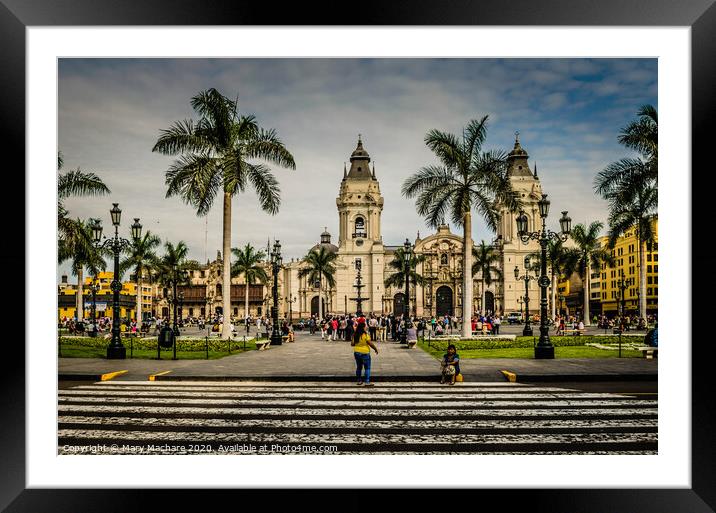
(214, 156)
(73, 183)
(402, 269)
(637, 213)
(319, 265)
(170, 268)
(82, 254)
(142, 260)
(591, 255)
(248, 262)
(631, 187)
(467, 179)
(486, 263)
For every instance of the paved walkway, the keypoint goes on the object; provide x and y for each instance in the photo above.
(313, 359)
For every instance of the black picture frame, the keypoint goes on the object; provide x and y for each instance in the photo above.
(699, 15)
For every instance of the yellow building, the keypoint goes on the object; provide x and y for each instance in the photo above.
(626, 257)
(67, 294)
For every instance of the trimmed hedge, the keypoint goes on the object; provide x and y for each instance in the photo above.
(183, 344)
(520, 342)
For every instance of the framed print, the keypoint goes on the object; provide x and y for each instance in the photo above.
(44, 43)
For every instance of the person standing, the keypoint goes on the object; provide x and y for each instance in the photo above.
(372, 327)
(496, 324)
(362, 344)
(334, 327)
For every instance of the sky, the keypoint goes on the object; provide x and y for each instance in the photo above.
(568, 112)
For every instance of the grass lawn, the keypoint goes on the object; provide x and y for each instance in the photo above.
(528, 352)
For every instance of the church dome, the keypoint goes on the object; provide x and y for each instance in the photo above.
(326, 242)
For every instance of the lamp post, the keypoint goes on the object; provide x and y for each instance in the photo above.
(115, 350)
(181, 307)
(290, 309)
(519, 302)
(276, 262)
(94, 288)
(527, 331)
(622, 286)
(407, 253)
(544, 348)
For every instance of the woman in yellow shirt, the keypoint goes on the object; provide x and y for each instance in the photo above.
(361, 351)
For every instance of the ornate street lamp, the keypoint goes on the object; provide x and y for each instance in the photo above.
(407, 253)
(276, 262)
(544, 348)
(527, 331)
(115, 350)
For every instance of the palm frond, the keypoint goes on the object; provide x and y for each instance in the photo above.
(79, 183)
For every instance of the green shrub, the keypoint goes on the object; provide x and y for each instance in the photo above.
(183, 344)
(520, 342)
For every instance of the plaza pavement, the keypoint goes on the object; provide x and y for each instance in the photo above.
(310, 358)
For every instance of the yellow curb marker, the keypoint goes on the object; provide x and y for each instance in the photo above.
(112, 375)
(153, 376)
(510, 376)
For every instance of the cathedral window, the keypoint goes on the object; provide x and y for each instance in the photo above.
(359, 227)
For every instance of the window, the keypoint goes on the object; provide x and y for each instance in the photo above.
(656, 257)
(648, 268)
(656, 280)
(648, 291)
(360, 227)
(648, 257)
(649, 280)
(656, 268)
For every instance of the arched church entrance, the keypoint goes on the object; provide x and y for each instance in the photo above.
(489, 302)
(314, 306)
(443, 301)
(399, 304)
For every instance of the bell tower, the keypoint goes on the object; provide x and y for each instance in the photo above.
(359, 203)
(360, 241)
(529, 189)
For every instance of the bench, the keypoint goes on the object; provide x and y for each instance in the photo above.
(648, 352)
(263, 344)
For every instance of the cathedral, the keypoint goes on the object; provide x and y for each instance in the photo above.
(362, 251)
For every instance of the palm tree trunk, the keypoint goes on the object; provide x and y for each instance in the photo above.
(246, 300)
(642, 281)
(467, 277)
(320, 298)
(587, 322)
(226, 271)
(79, 300)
